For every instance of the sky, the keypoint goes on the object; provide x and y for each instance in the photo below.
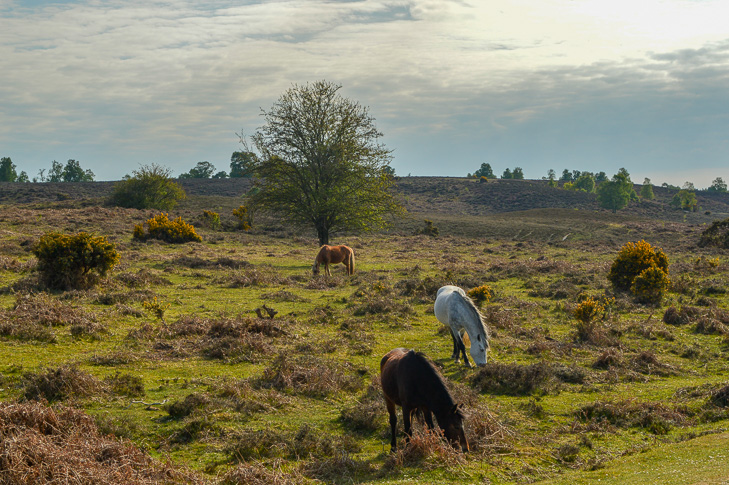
(590, 85)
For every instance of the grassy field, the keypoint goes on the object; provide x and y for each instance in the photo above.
(169, 352)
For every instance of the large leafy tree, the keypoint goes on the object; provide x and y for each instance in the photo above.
(321, 162)
(242, 164)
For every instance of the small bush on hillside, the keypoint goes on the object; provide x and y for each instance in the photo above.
(212, 219)
(244, 217)
(635, 258)
(429, 229)
(650, 285)
(480, 294)
(74, 262)
(150, 187)
(162, 228)
(716, 235)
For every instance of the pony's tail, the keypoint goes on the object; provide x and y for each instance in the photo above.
(351, 261)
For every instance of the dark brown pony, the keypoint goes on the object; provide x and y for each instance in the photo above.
(411, 381)
(334, 255)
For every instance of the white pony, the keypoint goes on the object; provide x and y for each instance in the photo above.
(454, 309)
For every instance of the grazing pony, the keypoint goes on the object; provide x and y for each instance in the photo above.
(456, 310)
(409, 380)
(334, 255)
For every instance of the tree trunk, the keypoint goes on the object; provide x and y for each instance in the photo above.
(323, 233)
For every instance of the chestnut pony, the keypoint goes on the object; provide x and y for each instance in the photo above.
(411, 381)
(334, 255)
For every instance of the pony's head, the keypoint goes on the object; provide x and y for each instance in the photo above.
(479, 349)
(453, 428)
(315, 268)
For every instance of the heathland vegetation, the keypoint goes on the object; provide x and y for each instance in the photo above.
(226, 360)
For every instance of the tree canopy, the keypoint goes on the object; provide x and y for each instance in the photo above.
(242, 164)
(616, 193)
(321, 163)
(484, 171)
(203, 170)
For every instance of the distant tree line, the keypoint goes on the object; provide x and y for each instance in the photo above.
(612, 193)
(71, 172)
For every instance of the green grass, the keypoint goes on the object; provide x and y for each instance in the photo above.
(352, 321)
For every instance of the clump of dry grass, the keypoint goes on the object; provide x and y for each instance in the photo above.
(125, 384)
(684, 316)
(341, 468)
(656, 418)
(43, 445)
(514, 379)
(247, 399)
(234, 339)
(427, 449)
(256, 473)
(33, 316)
(646, 362)
(64, 382)
(309, 375)
(720, 397)
(191, 403)
(305, 442)
(378, 299)
(368, 412)
(710, 326)
(609, 358)
(262, 275)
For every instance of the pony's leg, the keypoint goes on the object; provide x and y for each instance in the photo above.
(462, 349)
(428, 417)
(407, 413)
(454, 356)
(326, 269)
(393, 424)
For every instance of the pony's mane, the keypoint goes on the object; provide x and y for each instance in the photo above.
(426, 363)
(479, 317)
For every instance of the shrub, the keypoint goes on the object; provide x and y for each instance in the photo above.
(66, 261)
(245, 221)
(650, 285)
(716, 235)
(161, 227)
(151, 187)
(480, 294)
(514, 379)
(632, 260)
(429, 229)
(61, 383)
(212, 219)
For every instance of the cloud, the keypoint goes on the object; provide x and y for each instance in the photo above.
(117, 83)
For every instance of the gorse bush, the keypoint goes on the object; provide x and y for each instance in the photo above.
(650, 285)
(480, 294)
(212, 219)
(244, 217)
(163, 228)
(588, 310)
(632, 260)
(74, 262)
